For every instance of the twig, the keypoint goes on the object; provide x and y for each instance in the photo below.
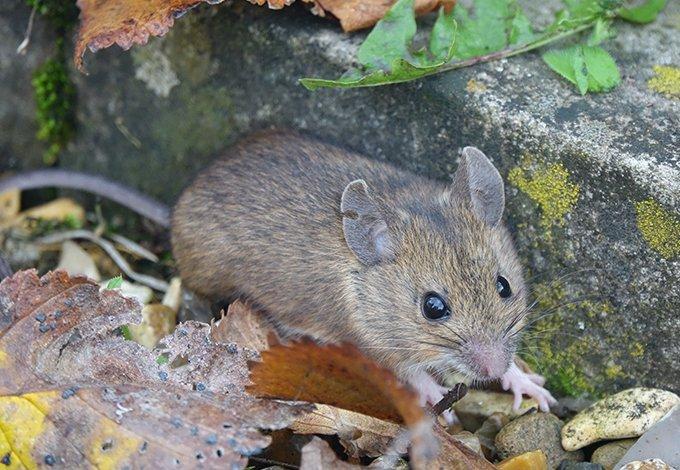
(452, 396)
(133, 247)
(108, 247)
(21, 49)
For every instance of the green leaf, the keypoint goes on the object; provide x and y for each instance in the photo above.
(603, 74)
(645, 13)
(443, 36)
(601, 32)
(521, 31)
(590, 68)
(403, 67)
(390, 38)
(115, 282)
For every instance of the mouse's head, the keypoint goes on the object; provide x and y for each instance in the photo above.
(441, 286)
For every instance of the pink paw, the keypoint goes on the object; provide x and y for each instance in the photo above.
(520, 383)
(430, 393)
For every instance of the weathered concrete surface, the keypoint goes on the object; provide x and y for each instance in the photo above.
(585, 175)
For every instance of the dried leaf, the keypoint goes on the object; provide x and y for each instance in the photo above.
(125, 22)
(241, 325)
(339, 375)
(359, 14)
(158, 321)
(455, 455)
(74, 392)
(360, 435)
(60, 209)
(10, 203)
(317, 455)
(77, 262)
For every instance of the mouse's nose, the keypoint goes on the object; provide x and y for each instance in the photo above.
(489, 362)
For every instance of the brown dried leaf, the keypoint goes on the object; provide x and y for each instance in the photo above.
(72, 389)
(455, 455)
(317, 455)
(125, 22)
(339, 375)
(359, 14)
(360, 435)
(241, 325)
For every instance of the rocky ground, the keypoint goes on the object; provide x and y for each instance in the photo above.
(592, 182)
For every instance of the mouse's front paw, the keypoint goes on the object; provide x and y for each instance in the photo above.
(430, 392)
(520, 383)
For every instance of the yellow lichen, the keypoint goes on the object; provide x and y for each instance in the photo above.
(473, 86)
(659, 227)
(550, 188)
(614, 371)
(637, 350)
(666, 80)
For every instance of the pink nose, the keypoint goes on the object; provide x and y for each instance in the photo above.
(489, 362)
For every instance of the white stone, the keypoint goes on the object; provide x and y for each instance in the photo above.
(626, 414)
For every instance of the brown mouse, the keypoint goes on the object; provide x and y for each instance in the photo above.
(421, 275)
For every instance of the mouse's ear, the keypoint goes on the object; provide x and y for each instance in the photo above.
(365, 229)
(477, 181)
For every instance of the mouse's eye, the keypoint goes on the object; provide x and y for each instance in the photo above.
(503, 287)
(434, 307)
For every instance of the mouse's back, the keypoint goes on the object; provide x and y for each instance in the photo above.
(265, 222)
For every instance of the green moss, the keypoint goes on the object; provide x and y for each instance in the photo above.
(549, 187)
(54, 99)
(564, 359)
(666, 80)
(659, 227)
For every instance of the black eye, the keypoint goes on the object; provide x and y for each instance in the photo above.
(434, 307)
(503, 287)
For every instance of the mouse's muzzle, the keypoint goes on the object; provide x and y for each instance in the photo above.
(487, 361)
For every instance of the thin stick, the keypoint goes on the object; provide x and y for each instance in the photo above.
(108, 247)
(21, 49)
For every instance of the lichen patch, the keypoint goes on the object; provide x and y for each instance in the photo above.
(550, 188)
(659, 227)
(666, 80)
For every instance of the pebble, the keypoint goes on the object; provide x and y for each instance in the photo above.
(535, 431)
(478, 405)
(659, 442)
(534, 460)
(609, 454)
(470, 440)
(626, 414)
(487, 434)
(649, 464)
(571, 465)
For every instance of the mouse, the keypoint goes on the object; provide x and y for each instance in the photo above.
(420, 275)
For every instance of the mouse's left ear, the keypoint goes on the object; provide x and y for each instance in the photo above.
(364, 226)
(478, 181)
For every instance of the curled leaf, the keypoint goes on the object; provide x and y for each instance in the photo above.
(74, 390)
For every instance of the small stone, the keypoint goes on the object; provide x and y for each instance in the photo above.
(535, 460)
(470, 440)
(649, 464)
(536, 431)
(659, 442)
(626, 414)
(488, 431)
(478, 405)
(571, 465)
(610, 454)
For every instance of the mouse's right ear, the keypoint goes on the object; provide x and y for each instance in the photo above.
(476, 180)
(364, 227)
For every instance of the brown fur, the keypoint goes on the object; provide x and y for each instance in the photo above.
(264, 222)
